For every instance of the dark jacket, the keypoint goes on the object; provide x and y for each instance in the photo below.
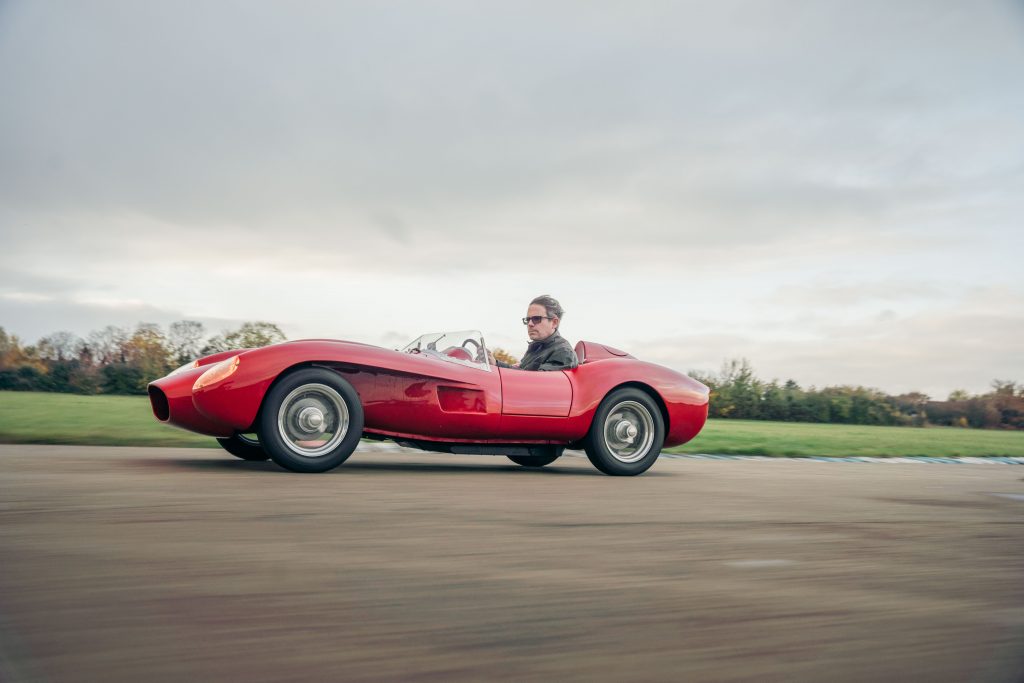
(553, 353)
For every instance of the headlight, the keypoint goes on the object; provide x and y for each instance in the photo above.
(216, 373)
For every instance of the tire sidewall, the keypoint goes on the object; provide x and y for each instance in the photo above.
(596, 448)
(274, 443)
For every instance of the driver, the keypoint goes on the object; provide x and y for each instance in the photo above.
(548, 349)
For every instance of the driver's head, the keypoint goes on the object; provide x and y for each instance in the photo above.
(542, 317)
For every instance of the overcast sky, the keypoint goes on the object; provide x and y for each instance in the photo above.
(833, 190)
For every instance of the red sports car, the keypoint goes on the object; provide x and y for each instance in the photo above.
(309, 402)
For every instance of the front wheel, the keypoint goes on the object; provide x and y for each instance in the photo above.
(627, 433)
(243, 447)
(311, 421)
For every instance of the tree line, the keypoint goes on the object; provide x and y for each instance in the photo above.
(736, 392)
(117, 360)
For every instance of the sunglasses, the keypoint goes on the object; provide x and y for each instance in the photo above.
(535, 319)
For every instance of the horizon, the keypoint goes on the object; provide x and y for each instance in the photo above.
(697, 373)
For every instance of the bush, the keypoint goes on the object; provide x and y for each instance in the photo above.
(122, 378)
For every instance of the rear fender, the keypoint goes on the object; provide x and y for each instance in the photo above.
(683, 401)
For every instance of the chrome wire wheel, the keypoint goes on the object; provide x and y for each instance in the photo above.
(312, 420)
(629, 431)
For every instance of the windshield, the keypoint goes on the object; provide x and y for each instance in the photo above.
(465, 348)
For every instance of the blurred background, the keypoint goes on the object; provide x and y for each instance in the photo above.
(829, 190)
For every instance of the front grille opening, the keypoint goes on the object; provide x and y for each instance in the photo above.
(158, 399)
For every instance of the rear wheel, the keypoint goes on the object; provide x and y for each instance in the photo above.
(311, 421)
(244, 447)
(627, 433)
(537, 460)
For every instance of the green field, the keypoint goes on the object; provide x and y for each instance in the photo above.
(753, 437)
(29, 417)
(32, 417)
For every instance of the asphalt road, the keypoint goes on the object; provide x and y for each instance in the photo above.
(146, 564)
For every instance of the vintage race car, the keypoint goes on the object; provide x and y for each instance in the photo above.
(306, 404)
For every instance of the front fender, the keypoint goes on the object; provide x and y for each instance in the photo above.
(236, 399)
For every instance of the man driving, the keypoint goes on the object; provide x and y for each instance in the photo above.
(548, 349)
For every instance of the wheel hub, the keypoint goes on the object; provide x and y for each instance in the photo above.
(625, 431)
(311, 420)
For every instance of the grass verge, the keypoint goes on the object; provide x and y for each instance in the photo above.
(35, 417)
(754, 437)
(31, 417)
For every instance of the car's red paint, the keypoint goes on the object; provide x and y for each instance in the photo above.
(592, 351)
(421, 397)
(535, 393)
(459, 353)
(172, 401)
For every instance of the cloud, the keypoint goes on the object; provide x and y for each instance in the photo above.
(735, 124)
(827, 293)
(16, 281)
(742, 178)
(38, 317)
(936, 350)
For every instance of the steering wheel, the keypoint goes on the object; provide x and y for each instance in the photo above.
(479, 353)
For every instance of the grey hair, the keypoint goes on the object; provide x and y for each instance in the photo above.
(550, 304)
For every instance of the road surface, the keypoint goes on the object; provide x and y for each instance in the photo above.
(148, 564)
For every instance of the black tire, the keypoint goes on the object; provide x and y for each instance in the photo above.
(537, 460)
(609, 445)
(243, 447)
(290, 411)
